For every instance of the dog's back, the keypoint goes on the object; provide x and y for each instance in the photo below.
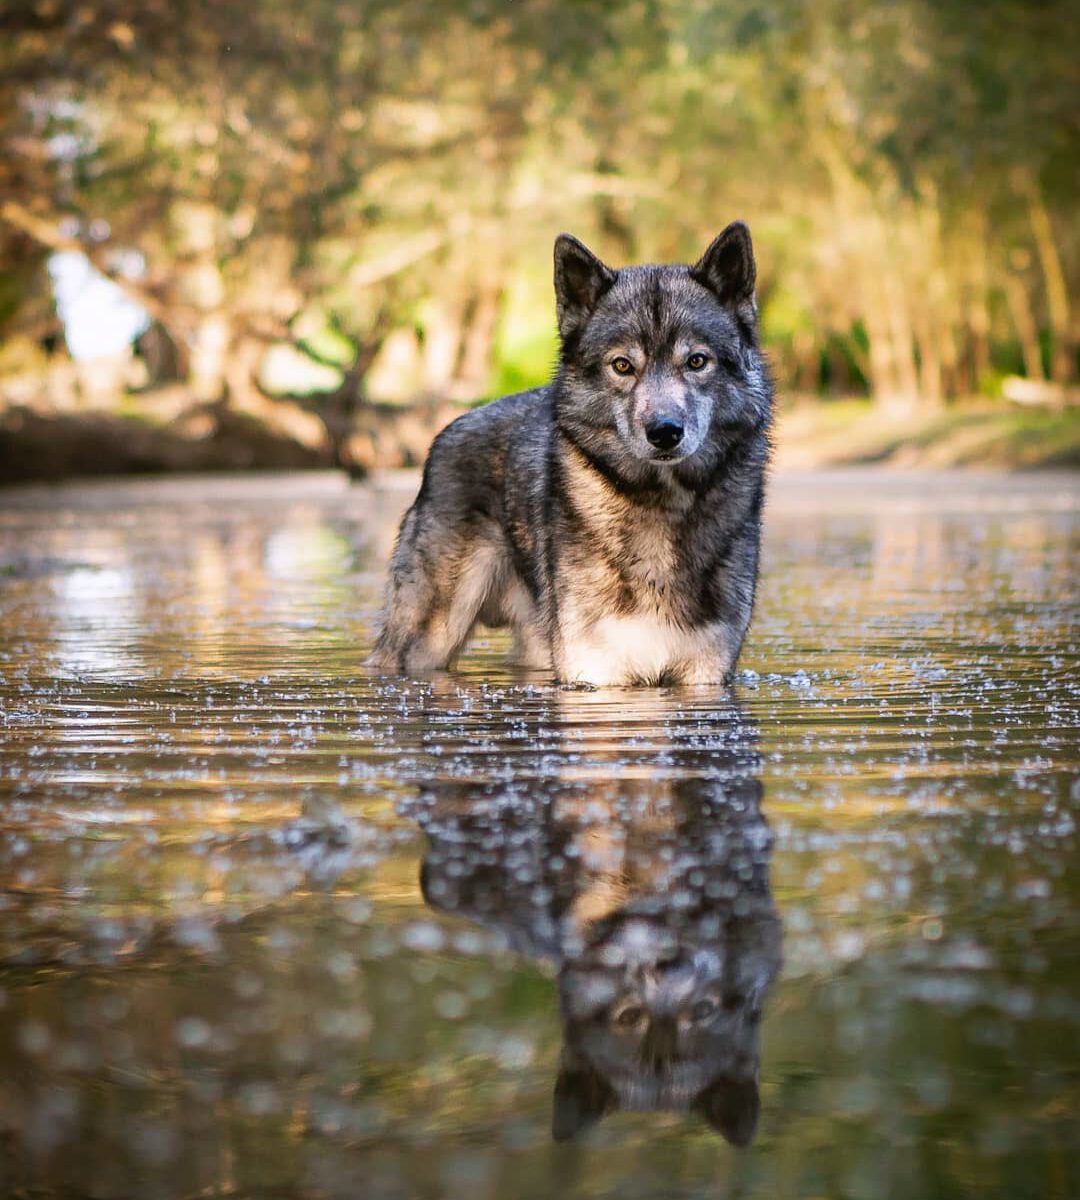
(612, 518)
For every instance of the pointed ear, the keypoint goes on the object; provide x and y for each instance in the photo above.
(582, 1097)
(727, 267)
(580, 280)
(731, 1106)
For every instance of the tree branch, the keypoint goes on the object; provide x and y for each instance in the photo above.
(46, 234)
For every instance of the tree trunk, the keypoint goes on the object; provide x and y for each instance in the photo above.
(477, 340)
(884, 385)
(978, 307)
(978, 320)
(903, 342)
(340, 410)
(239, 371)
(442, 344)
(1026, 328)
(927, 294)
(930, 365)
(806, 366)
(1062, 352)
(208, 357)
(202, 288)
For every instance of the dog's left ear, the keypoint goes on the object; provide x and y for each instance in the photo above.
(580, 280)
(731, 1106)
(727, 268)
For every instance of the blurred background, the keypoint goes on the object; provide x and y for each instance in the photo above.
(308, 233)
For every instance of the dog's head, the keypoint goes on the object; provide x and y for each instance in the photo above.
(657, 357)
(657, 1017)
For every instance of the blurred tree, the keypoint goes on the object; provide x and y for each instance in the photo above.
(325, 175)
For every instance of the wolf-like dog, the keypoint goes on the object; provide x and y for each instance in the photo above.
(613, 517)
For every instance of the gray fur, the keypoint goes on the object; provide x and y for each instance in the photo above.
(614, 559)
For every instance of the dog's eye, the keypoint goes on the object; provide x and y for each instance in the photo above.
(697, 361)
(621, 365)
(703, 1010)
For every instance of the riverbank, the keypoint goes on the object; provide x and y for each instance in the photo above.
(977, 434)
(147, 438)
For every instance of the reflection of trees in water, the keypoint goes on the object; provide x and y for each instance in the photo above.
(156, 594)
(650, 894)
(937, 558)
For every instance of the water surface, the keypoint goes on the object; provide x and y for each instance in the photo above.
(273, 926)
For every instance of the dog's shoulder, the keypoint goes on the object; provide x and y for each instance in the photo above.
(496, 419)
(470, 458)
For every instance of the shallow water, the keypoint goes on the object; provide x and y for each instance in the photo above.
(271, 926)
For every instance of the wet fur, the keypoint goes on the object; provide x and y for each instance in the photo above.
(550, 512)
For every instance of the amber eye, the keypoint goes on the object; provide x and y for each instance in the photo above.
(621, 365)
(697, 361)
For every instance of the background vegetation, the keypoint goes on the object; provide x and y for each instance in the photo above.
(325, 204)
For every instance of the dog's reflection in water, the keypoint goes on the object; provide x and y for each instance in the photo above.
(651, 895)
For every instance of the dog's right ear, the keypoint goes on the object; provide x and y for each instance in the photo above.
(580, 280)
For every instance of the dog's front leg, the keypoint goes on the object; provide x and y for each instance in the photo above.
(532, 649)
(715, 661)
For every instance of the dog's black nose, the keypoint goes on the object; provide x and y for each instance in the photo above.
(665, 433)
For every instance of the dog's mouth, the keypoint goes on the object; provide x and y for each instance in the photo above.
(667, 457)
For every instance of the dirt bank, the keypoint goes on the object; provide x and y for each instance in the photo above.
(155, 435)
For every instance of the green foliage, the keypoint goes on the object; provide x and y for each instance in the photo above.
(323, 338)
(526, 346)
